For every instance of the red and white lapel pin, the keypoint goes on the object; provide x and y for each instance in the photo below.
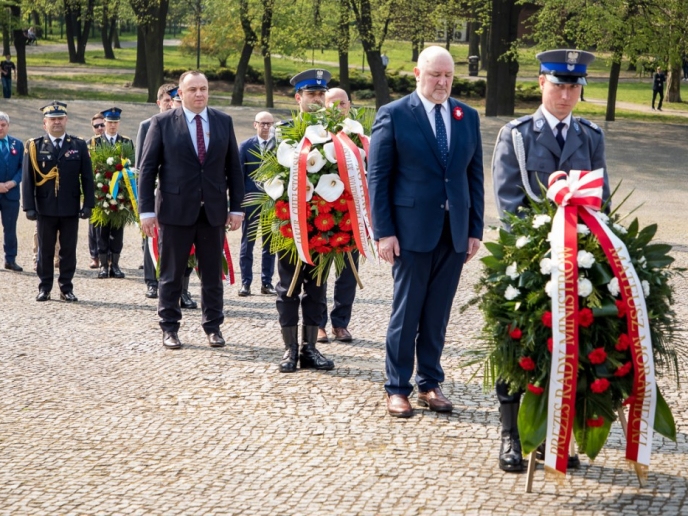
(457, 113)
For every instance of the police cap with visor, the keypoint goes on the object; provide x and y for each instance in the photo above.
(565, 66)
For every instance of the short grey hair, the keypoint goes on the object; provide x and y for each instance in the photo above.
(4, 116)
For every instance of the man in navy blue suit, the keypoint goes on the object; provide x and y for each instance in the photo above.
(11, 156)
(425, 176)
(262, 142)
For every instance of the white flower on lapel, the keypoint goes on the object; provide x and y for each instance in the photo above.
(285, 154)
(330, 153)
(274, 187)
(317, 134)
(330, 187)
(352, 126)
(315, 161)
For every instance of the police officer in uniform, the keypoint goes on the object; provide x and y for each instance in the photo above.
(110, 238)
(310, 87)
(55, 173)
(552, 139)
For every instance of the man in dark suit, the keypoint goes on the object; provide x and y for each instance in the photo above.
(55, 173)
(345, 284)
(11, 156)
(262, 142)
(110, 238)
(193, 153)
(425, 176)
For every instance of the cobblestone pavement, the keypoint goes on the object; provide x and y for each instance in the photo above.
(97, 418)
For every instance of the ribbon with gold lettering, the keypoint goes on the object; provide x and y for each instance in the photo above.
(572, 192)
(297, 200)
(128, 176)
(352, 173)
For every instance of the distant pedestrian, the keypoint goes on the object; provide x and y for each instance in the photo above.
(658, 81)
(6, 68)
(685, 67)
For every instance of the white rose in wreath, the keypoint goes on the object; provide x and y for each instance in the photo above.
(511, 293)
(522, 241)
(512, 271)
(111, 161)
(613, 286)
(585, 259)
(546, 266)
(584, 287)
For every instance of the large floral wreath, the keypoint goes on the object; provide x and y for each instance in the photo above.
(578, 312)
(315, 205)
(115, 185)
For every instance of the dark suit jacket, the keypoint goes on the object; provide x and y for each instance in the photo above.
(11, 170)
(76, 177)
(249, 161)
(169, 154)
(141, 137)
(408, 184)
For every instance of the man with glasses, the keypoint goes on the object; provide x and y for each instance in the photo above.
(249, 150)
(98, 126)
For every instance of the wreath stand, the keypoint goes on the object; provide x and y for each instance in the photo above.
(532, 461)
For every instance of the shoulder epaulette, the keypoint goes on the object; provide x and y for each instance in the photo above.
(519, 121)
(77, 138)
(591, 125)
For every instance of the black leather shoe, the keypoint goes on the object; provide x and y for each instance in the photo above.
(245, 290)
(13, 266)
(573, 462)
(311, 358)
(170, 340)
(268, 289)
(69, 297)
(186, 302)
(43, 295)
(152, 292)
(215, 339)
(510, 454)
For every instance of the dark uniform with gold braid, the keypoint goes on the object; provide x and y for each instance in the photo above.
(110, 238)
(53, 181)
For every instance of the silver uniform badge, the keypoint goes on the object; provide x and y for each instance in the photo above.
(539, 123)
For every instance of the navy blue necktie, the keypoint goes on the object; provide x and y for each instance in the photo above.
(441, 134)
(560, 134)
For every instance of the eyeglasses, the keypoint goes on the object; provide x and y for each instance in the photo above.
(98, 126)
(265, 124)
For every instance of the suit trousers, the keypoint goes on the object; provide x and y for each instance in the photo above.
(175, 245)
(48, 229)
(9, 212)
(424, 289)
(93, 235)
(311, 301)
(344, 296)
(502, 390)
(246, 253)
(110, 239)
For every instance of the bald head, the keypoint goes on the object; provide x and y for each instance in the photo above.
(338, 96)
(435, 74)
(263, 122)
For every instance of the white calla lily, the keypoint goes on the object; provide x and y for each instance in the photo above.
(330, 153)
(274, 188)
(315, 161)
(317, 134)
(309, 190)
(330, 187)
(285, 154)
(352, 126)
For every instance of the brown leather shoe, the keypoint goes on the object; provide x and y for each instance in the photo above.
(95, 263)
(322, 336)
(398, 405)
(435, 400)
(342, 334)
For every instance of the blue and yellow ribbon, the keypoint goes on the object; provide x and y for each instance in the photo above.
(128, 176)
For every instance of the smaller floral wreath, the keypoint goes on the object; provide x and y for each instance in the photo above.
(114, 207)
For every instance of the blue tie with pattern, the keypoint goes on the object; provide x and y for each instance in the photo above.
(441, 134)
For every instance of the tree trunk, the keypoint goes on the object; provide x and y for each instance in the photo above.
(473, 39)
(613, 85)
(152, 18)
(250, 40)
(363, 12)
(71, 14)
(265, 30)
(415, 49)
(20, 51)
(343, 42)
(6, 38)
(484, 47)
(104, 36)
(673, 87)
(449, 34)
(115, 33)
(78, 27)
(501, 73)
(140, 73)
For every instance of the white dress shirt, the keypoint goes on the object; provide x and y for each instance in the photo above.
(552, 121)
(430, 111)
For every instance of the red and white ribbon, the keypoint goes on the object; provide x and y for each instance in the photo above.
(352, 173)
(580, 194)
(298, 213)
